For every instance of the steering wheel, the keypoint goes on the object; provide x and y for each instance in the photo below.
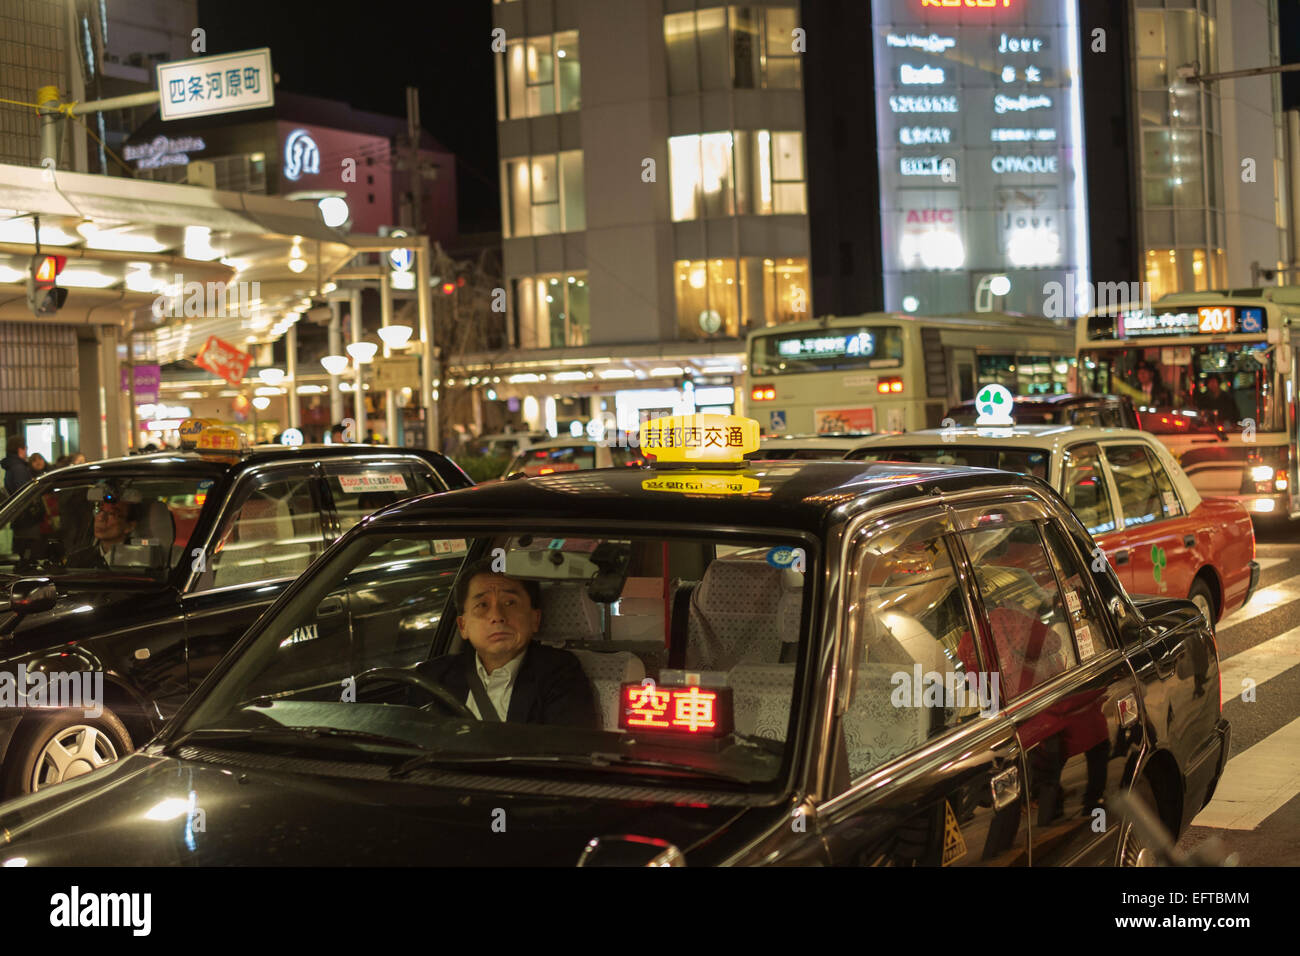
(430, 686)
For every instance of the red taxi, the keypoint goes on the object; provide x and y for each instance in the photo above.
(1159, 533)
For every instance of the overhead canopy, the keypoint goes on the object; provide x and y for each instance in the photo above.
(136, 240)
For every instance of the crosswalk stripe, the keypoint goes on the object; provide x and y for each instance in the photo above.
(1265, 599)
(1257, 783)
(1262, 662)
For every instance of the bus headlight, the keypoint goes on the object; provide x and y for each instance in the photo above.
(1261, 473)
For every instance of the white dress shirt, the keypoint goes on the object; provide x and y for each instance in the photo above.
(500, 684)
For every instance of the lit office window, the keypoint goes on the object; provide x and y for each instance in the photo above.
(726, 47)
(543, 195)
(542, 75)
(552, 310)
(749, 172)
(710, 298)
(785, 291)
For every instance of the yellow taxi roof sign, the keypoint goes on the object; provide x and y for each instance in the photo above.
(209, 435)
(191, 428)
(704, 439)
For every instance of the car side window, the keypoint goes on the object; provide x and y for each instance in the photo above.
(1083, 485)
(1139, 495)
(918, 671)
(1082, 606)
(1168, 500)
(359, 489)
(272, 532)
(1026, 610)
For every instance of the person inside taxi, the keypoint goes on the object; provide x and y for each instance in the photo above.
(114, 522)
(500, 673)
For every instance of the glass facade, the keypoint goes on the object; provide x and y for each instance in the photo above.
(543, 194)
(745, 172)
(552, 310)
(543, 75)
(719, 298)
(732, 48)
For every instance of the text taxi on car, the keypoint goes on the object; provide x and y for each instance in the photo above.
(145, 570)
(703, 661)
(1148, 519)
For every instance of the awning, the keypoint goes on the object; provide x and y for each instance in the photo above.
(237, 265)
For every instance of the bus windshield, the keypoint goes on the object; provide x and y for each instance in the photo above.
(827, 350)
(1207, 386)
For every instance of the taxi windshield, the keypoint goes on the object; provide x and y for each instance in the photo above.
(1022, 461)
(654, 661)
(88, 526)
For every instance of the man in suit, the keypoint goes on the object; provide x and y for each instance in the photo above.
(518, 681)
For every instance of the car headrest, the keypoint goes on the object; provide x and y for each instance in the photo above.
(568, 614)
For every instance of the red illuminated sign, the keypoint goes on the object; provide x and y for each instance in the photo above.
(968, 4)
(691, 711)
(222, 358)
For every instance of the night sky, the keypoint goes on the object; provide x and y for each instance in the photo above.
(367, 53)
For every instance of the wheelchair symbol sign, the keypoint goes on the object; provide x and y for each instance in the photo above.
(778, 421)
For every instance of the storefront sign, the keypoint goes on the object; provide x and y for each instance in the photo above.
(222, 358)
(147, 380)
(164, 151)
(216, 84)
(301, 155)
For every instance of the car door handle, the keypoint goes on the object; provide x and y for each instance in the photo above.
(1005, 788)
(330, 607)
(1189, 540)
(1121, 556)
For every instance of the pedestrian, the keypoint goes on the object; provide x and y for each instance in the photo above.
(38, 464)
(17, 471)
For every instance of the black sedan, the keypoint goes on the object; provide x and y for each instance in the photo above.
(787, 663)
(127, 580)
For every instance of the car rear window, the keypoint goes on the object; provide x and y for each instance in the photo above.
(1022, 461)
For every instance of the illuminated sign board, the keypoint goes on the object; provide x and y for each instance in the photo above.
(980, 149)
(686, 711)
(301, 155)
(1192, 320)
(860, 343)
(164, 151)
(216, 84)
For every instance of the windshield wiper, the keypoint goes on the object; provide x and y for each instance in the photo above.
(292, 733)
(440, 761)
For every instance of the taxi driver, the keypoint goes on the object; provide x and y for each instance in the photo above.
(500, 673)
(114, 522)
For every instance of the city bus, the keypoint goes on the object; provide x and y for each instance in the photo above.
(1213, 375)
(890, 372)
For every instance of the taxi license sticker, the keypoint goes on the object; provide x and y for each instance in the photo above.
(449, 546)
(1171, 503)
(954, 844)
(372, 482)
(1084, 635)
(703, 484)
(1072, 601)
(786, 557)
(205, 484)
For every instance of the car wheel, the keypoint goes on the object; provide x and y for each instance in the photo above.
(1133, 850)
(62, 746)
(1204, 601)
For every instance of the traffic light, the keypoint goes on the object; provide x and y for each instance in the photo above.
(448, 288)
(43, 296)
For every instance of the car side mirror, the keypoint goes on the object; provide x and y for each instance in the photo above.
(32, 596)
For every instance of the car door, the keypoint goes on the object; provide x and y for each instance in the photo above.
(925, 769)
(270, 530)
(1159, 543)
(1064, 681)
(1087, 488)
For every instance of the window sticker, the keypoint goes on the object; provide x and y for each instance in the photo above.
(372, 481)
(1084, 637)
(449, 546)
(1171, 503)
(1072, 600)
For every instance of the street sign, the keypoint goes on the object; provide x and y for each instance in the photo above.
(147, 380)
(216, 84)
(396, 372)
(222, 358)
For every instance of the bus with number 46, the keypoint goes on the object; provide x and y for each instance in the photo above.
(1213, 375)
(890, 371)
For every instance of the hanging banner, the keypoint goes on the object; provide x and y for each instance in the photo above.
(222, 358)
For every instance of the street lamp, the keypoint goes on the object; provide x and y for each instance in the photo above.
(335, 364)
(271, 376)
(362, 352)
(396, 336)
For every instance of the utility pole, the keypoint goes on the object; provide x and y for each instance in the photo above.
(414, 172)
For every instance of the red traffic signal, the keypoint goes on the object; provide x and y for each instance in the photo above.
(448, 288)
(45, 269)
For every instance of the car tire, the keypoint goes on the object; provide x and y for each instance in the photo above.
(1133, 851)
(1200, 596)
(46, 750)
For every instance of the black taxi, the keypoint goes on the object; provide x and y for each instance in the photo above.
(126, 580)
(716, 661)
